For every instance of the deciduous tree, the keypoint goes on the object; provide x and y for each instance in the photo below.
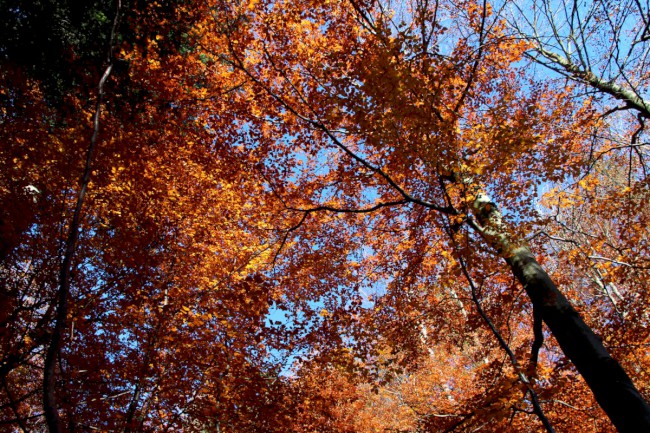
(291, 222)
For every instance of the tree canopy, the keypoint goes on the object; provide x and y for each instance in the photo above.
(331, 216)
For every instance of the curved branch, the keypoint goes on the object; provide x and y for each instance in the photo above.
(586, 76)
(537, 408)
(50, 401)
(348, 210)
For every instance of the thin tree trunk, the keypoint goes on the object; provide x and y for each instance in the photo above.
(612, 387)
(50, 399)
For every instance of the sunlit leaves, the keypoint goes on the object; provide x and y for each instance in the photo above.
(260, 248)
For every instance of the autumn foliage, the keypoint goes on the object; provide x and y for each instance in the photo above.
(284, 224)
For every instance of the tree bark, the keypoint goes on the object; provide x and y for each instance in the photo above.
(611, 386)
(584, 75)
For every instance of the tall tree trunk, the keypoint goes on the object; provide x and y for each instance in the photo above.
(612, 387)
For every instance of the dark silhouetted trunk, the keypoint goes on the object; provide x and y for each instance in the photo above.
(612, 387)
